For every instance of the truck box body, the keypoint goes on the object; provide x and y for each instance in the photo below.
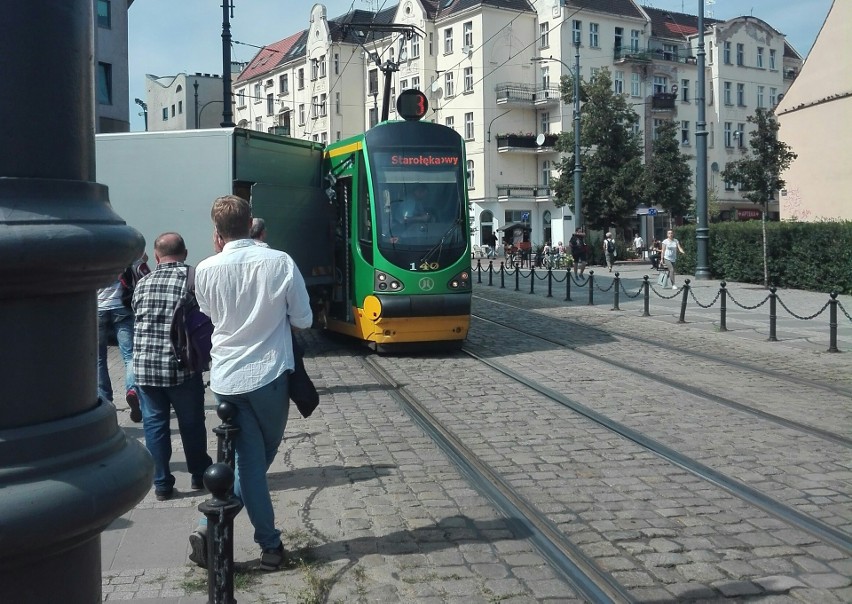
(167, 181)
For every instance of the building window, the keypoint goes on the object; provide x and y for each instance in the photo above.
(618, 82)
(468, 126)
(104, 82)
(619, 37)
(728, 136)
(323, 137)
(684, 132)
(545, 77)
(337, 103)
(415, 47)
(270, 104)
(729, 186)
(710, 53)
(403, 84)
(323, 105)
(337, 135)
(469, 171)
(634, 40)
(257, 92)
(740, 54)
(173, 110)
(468, 79)
(545, 173)
(760, 91)
(314, 106)
(373, 81)
(709, 90)
(740, 135)
(165, 114)
(657, 124)
(593, 73)
(322, 68)
(467, 34)
(760, 56)
(661, 84)
(635, 84)
(545, 122)
(284, 84)
(105, 14)
(729, 100)
(773, 96)
(301, 78)
(544, 35)
(772, 55)
(576, 32)
(448, 40)
(180, 107)
(241, 97)
(301, 114)
(726, 53)
(593, 35)
(741, 95)
(393, 99)
(450, 122)
(449, 87)
(374, 116)
(314, 69)
(415, 83)
(431, 44)
(336, 64)
(258, 124)
(684, 91)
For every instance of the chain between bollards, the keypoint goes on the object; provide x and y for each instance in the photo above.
(832, 323)
(723, 306)
(646, 286)
(616, 284)
(220, 511)
(773, 298)
(683, 302)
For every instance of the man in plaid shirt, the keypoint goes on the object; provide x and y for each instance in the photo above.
(162, 385)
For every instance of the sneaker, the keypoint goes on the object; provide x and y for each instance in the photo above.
(271, 559)
(164, 495)
(198, 547)
(197, 483)
(674, 286)
(133, 402)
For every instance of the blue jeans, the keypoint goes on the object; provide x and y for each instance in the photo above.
(122, 321)
(187, 399)
(261, 417)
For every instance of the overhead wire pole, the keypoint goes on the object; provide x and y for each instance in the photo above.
(227, 112)
(702, 232)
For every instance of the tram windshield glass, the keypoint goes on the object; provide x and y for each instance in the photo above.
(420, 209)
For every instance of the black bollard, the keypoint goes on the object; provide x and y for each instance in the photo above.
(683, 301)
(832, 323)
(490, 273)
(502, 276)
(226, 433)
(773, 297)
(220, 511)
(591, 283)
(517, 278)
(646, 286)
(723, 306)
(615, 285)
(479, 270)
(568, 285)
(549, 282)
(532, 279)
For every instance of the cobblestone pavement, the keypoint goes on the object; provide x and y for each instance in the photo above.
(372, 511)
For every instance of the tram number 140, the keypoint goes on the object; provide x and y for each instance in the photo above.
(425, 266)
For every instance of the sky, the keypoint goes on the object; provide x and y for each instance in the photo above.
(167, 37)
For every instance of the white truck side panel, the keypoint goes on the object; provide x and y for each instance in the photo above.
(167, 181)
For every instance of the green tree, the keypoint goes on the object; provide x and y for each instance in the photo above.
(611, 155)
(667, 174)
(759, 174)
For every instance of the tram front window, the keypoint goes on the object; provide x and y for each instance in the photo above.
(419, 207)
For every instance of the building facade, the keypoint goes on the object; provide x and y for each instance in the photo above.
(112, 102)
(183, 101)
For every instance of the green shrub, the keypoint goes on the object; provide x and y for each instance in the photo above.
(803, 255)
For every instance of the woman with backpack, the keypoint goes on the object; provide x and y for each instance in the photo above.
(609, 250)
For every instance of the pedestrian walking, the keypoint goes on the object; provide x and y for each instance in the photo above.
(609, 250)
(670, 249)
(639, 245)
(252, 294)
(162, 384)
(579, 251)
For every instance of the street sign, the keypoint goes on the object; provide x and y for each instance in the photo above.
(525, 216)
(652, 211)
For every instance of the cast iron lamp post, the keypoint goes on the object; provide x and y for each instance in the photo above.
(702, 231)
(578, 168)
(144, 106)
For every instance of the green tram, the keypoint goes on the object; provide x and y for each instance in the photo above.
(402, 234)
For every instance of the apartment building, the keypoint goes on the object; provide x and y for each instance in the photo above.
(184, 101)
(491, 70)
(112, 107)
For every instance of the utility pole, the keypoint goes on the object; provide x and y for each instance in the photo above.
(227, 113)
(702, 231)
(578, 168)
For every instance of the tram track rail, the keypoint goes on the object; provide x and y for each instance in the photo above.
(576, 568)
(688, 388)
(798, 379)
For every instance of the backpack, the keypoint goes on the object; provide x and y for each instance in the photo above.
(129, 278)
(191, 330)
(610, 245)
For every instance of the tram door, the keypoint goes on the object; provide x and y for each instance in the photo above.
(341, 307)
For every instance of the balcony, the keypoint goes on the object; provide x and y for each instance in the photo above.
(280, 130)
(663, 101)
(535, 193)
(513, 93)
(525, 143)
(630, 55)
(790, 74)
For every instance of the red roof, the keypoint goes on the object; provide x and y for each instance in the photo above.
(268, 57)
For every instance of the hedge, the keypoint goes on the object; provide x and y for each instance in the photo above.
(814, 256)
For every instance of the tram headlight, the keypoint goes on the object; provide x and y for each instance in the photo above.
(384, 282)
(460, 281)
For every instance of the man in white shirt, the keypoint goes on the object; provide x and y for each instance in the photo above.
(253, 294)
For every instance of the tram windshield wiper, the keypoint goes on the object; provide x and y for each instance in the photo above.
(439, 246)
